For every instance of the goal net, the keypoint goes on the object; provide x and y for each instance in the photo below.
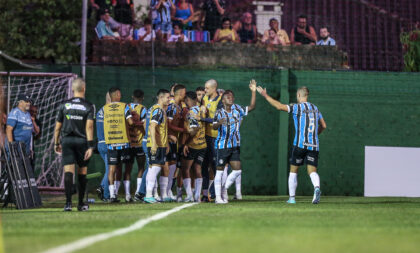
(47, 91)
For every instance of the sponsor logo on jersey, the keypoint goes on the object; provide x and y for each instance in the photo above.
(70, 106)
(75, 117)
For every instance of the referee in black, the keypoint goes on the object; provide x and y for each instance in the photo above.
(74, 122)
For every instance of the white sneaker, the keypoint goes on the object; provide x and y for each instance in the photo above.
(171, 195)
(188, 199)
(157, 197)
(238, 196)
(128, 198)
(220, 201)
(225, 194)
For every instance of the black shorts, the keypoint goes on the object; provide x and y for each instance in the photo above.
(227, 155)
(172, 155)
(135, 152)
(117, 156)
(179, 156)
(158, 158)
(74, 149)
(197, 155)
(300, 156)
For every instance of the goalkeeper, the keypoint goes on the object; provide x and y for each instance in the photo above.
(75, 125)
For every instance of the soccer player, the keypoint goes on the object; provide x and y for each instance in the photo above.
(157, 142)
(211, 102)
(117, 118)
(200, 92)
(136, 133)
(175, 129)
(74, 123)
(194, 149)
(309, 123)
(227, 121)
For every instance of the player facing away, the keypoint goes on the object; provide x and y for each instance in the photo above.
(117, 119)
(227, 121)
(157, 142)
(175, 129)
(309, 123)
(136, 134)
(194, 149)
(74, 123)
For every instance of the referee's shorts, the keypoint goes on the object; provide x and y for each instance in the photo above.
(73, 150)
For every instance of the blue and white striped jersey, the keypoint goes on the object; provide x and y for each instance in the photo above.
(228, 133)
(306, 118)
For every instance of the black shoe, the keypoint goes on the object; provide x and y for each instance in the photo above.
(82, 207)
(114, 200)
(67, 207)
(205, 199)
(100, 192)
(138, 197)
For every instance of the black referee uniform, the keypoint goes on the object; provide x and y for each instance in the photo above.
(73, 115)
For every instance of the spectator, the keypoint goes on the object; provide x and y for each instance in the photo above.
(273, 38)
(178, 36)
(184, 15)
(124, 11)
(245, 29)
(213, 11)
(20, 125)
(103, 29)
(303, 34)
(104, 5)
(326, 40)
(146, 32)
(282, 34)
(226, 34)
(36, 134)
(162, 17)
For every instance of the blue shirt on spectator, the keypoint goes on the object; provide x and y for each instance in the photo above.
(22, 127)
(330, 42)
(163, 15)
(100, 126)
(104, 29)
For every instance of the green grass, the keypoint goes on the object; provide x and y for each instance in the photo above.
(256, 224)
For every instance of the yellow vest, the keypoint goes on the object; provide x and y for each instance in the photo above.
(136, 133)
(161, 129)
(211, 106)
(115, 128)
(199, 139)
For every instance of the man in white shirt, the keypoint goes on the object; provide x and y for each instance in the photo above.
(146, 33)
(326, 40)
(178, 35)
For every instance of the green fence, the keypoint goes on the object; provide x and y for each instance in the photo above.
(360, 108)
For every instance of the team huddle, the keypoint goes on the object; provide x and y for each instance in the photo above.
(188, 138)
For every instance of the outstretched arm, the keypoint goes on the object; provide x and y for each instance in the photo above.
(276, 104)
(253, 88)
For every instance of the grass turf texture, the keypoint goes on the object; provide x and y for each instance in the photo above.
(255, 224)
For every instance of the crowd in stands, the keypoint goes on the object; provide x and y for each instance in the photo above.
(177, 21)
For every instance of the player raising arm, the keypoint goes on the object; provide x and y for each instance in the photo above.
(309, 123)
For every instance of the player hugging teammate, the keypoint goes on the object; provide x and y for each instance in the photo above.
(189, 138)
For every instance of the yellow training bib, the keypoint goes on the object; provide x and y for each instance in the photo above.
(136, 133)
(211, 106)
(158, 115)
(115, 128)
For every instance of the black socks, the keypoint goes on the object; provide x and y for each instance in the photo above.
(68, 184)
(82, 187)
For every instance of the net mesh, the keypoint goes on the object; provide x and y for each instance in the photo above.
(47, 91)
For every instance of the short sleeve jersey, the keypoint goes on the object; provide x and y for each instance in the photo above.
(228, 133)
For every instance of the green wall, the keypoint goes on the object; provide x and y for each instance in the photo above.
(360, 109)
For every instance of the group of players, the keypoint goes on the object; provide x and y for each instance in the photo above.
(190, 138)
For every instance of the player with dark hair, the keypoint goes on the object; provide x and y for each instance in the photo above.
(74, 125)
(227, 121)
(200, 92)
(117, 118)
(309, 123)
(194, 149)
(157, 142)
(136, 133)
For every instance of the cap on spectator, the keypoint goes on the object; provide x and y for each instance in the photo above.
(23, 97)
(103, 12)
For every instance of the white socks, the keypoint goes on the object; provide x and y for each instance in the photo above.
(117, 187)
(138, 184)
(225, 175)
(315, 179)
(238, 183)
(151, 180)
(112, 190)
(163, 182)
(172, 169)
(218, 183)
(232, 177)
(292, 184)
(187, 186)
(127, 187)
(198, 185)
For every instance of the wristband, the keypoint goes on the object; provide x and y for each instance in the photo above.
(91, 144)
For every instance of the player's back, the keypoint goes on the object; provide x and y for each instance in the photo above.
(306, 118)
(74, 113)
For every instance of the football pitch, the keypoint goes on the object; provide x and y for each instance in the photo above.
(254, 224)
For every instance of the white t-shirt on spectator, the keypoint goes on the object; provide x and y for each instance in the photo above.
(174, 38)
(142, 32)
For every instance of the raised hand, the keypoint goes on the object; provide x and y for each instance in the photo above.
(262, 91)
(253, 85)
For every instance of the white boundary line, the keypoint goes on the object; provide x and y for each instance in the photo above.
(88, 241)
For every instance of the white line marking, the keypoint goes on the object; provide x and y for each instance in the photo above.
(88, 241)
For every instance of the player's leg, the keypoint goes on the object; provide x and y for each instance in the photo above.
(142, 191)
(224, 178)
(296, 159)
(103, 191)
(69, 161)
(81, 176)
(205, 173)
(172, 168)
(186, 177)
(238, 186)
(198, 161)
(113, 161)
(157, 161)
(235, 164)
(140, 164)
(312, 163)
(163, 183)
(118, 176)
(223, 156)
(129, 162)
(192, 176)
(179, 185)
